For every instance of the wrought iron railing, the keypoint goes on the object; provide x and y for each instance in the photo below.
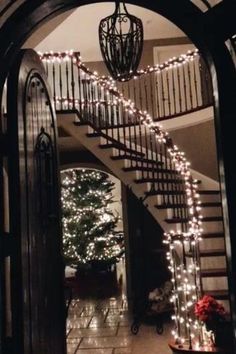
(179, 86)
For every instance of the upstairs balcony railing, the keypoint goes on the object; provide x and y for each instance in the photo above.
(179, 86)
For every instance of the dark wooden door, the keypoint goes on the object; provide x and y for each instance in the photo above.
(37, 301)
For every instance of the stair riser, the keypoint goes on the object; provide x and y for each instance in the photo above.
(216, 243)
(211, 212)
(214, 198)
(213, 262)
(205, 213)
(215, 226)
(214, 283)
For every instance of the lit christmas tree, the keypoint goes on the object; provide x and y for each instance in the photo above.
(89, 224)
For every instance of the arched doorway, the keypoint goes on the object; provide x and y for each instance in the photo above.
(196, 25)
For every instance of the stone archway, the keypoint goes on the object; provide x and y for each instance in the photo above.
(205, 30)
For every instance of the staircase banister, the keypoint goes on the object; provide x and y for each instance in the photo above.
(188, 87)
(51, 55)
(181, 59)
(176, 155)
(171, 89)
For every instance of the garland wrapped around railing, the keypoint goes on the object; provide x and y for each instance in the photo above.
(151, 151)
(178, 86)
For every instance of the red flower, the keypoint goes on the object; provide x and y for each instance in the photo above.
(208, 309)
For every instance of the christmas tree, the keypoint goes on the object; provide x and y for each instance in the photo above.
(89, 224)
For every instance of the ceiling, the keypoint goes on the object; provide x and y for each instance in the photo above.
(79, 30)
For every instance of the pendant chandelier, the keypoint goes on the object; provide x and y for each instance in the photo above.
(121, 42)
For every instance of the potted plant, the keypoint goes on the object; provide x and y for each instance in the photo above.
(212, 314)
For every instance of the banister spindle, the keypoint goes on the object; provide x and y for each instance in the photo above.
(163, 94)
(93, 106)
(203, 78)
(179, 89)
(173, 71)
(149, 172)
(151, 157)
(146, 94)
(80, 92)
(157, 95)
(54, 84)
(60, 85)
(140, 93)
(168, 92)
(195, 70)
(99, 106)
(72, 68)
(190, 85)
(185, 86)
(84, 95)
(113, 125)
(167, 197)
(67, 85)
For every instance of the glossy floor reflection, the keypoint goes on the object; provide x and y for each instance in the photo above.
(103, 327)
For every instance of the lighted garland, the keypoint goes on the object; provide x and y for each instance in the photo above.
(182, 59)
(60, 57)
(182, 275)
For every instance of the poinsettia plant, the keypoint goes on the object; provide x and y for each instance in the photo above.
(208, 310)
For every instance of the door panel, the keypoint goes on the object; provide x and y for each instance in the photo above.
(38, 316)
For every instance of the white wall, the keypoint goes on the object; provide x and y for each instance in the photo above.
(80, 30)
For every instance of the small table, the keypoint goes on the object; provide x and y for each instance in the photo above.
(183, 349)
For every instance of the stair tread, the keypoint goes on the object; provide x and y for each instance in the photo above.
(135, 158)
(160, 180)
(202, 192)
(209, 253)
(148, 169)
(157, 180)
(204, 219)
(214, 272)
(165, 192)
(182, 205)
(119, 147)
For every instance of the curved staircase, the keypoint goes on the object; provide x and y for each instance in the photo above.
(166, 205)
(145, 159)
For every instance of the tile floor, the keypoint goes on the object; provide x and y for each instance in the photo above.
(103, 327)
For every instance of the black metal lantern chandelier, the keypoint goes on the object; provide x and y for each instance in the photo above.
(121, 42)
